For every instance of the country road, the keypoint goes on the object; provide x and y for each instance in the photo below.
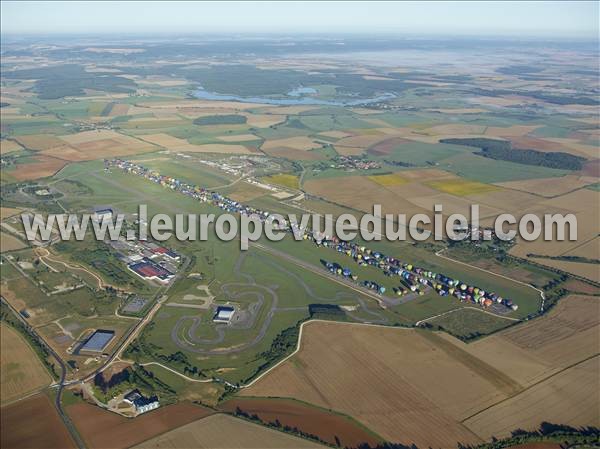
(541, 292)
(134, 332)
(185, 338)
(63, 374)
(101, 283)
(320, 272)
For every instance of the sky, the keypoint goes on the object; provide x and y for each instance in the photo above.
(547, 19)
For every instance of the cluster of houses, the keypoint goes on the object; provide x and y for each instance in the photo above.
(354, 163)
(411, 278)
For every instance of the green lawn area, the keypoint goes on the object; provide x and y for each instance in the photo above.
(422, 154)
(189, 171)
(483, 169)
(43, 124)
(217, 261)
(468, 323)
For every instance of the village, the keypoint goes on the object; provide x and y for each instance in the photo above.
(351, 163)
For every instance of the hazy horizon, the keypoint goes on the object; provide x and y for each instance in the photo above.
(543, 20)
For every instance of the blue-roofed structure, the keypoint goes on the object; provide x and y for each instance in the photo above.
(97, 341)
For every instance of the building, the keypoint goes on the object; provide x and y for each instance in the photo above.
(142, 404)
(149, 270)
(102, 214)
(224, 314)
(96, 342)
(166, 252)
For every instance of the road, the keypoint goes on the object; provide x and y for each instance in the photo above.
(177, 372)
(63, 374)
(326, 274)
(62, 383)
(424, 320)
(185, 338)
(267, 371)
(135, 331)
(116, 355)
(541, 292)
(101, 283)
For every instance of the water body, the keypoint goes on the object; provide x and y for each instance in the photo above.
(298, 98)
(299, 91)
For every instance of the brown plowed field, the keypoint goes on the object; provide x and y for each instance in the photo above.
(39, 142)
(297, 155)
(591, 168)
(102, 429)
(42, 167)
(403, 384)
(359, 192)
(33, 423)
(432, 390)
(315, 421)
(568, 334)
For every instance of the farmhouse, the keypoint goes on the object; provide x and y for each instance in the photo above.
(224, 314)
(96, 342)
(141, 403)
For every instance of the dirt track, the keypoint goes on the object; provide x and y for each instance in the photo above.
(188, 341)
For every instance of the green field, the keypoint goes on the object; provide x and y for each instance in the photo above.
(527, 299)
(479, 168)
(217, 260)
(468, 323)
(273, 284)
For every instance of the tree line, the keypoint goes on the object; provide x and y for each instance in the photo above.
(502, 150)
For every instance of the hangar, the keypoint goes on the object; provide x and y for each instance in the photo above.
(224, 314)
(97, 341)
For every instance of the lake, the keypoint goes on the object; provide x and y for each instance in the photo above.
(298, 98)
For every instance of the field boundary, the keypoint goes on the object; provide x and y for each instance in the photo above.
(424, 320)
(562, 370)
(298, 346)
(309, 404)
(541, 292)
(174, 372)
(37, 357)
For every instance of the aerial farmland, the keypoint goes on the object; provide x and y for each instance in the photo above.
(400, 335)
